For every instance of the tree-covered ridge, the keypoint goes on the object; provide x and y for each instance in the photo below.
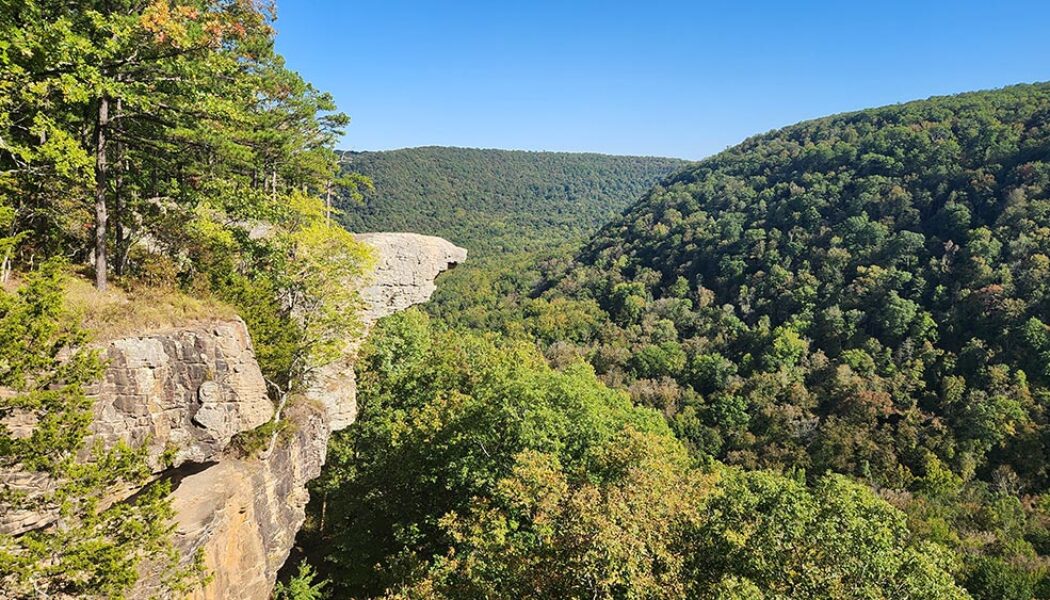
(863, 294)
(493, 201)
(880, 272)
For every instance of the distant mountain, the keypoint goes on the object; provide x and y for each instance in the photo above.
(494, 201)
(857, 292)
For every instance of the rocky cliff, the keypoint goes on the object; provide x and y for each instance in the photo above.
(243, 514)
(182, 392)
(186, 392)
(406, 267)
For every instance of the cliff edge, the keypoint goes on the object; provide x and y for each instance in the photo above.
(186, 392)
(243, 514)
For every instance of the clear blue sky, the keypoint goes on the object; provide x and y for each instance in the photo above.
(683, 79)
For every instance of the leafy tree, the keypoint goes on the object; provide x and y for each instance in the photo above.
(790, 541)
(302, 586)
(164, 142)
(475, 470)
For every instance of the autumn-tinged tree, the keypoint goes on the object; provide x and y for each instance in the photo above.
(145, 107)
(166, 141)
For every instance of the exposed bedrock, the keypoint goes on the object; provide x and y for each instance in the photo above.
(185, 392)
(244, 513)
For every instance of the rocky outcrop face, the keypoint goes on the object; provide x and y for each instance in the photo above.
(183, 393)
(406, 266)
(243, 513)
(405, 273)
(186, 392)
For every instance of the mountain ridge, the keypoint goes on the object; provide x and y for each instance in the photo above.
(496, 201)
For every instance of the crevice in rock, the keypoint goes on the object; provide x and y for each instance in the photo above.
(175, 476)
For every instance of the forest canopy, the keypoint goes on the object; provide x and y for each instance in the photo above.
(478, 471)
(496, 201)
(863, 294)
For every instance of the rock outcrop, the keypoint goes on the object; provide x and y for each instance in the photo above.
(186, 392)
(182, 392)
(406, 267)
(243, 513)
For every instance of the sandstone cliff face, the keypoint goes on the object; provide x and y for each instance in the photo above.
(189, 390)
(183, 392)
(244, 513)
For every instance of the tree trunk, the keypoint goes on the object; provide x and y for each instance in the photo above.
(324, 509)
(101, 216)
(328, 204)
(5, 267)
(119, 252)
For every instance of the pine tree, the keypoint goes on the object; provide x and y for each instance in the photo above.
(85, 545)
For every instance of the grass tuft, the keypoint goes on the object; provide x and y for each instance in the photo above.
(118, 312)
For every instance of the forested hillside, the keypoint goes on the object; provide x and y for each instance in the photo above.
(494, 201)
(814, 366)
(476, 470)
(863, 294)
(858, 293)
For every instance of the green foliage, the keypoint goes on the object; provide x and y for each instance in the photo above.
(799, 542)
(167, 141)
(994, 578)
(34, 329)
(897, 241)
(301, 586)
(449, 413)
(476, 470)
(254, 441)
(863, 294)
(496, 201)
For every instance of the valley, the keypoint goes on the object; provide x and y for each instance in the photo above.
(240, 360)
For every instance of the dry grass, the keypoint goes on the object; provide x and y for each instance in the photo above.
(118, 312)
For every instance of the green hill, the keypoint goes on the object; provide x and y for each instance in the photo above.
(493, 201)
(856, 292)
(865, 293)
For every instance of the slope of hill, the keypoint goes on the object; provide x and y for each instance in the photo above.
(865, 293)
(492, 201)
(854, 292)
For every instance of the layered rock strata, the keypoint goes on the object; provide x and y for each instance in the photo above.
(243, 513)
(182, 392)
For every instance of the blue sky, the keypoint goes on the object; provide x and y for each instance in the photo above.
(683, 79)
